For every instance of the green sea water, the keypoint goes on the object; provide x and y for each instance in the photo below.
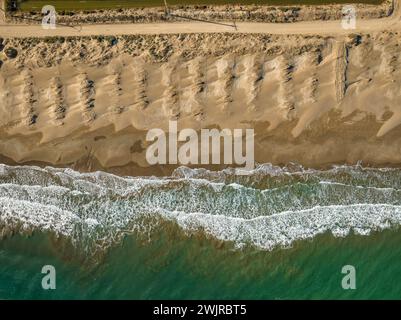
(175, 267)
(282, 233)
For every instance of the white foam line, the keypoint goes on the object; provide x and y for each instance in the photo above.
(101, 216)
(281, 230)
(31, 215)
(359, 186)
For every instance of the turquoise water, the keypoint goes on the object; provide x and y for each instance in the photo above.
(279, 233)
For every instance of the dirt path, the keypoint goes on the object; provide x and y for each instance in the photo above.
(324, 28)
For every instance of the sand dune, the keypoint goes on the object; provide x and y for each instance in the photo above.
(314, 100)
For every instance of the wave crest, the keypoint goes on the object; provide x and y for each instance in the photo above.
(271, 207)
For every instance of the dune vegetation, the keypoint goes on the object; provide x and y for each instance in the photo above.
(28, 5)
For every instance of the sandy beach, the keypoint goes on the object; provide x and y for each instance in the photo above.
(320, 96)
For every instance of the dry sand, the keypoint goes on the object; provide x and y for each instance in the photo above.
(87, 102)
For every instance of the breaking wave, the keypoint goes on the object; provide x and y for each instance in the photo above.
(271, 207)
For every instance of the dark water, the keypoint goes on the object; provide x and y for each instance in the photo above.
(279, 233)
(176, 267)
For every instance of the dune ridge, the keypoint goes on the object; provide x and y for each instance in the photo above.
(256, 13)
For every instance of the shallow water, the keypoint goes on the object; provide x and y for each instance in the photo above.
(278, 233)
